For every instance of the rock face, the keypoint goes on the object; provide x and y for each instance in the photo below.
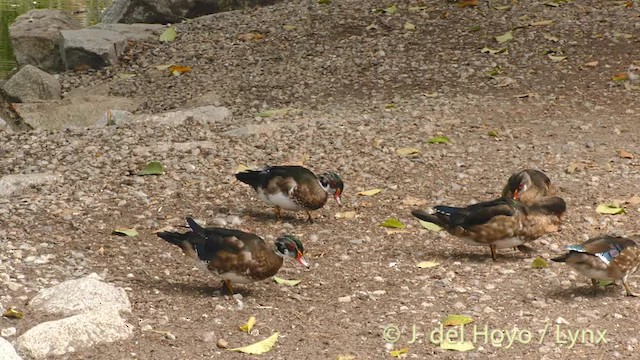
(134, 32)
(7, 352)
(80, 331)
(169, 11)
(203, 114)
(94, 48)
(32, 84)
(78, 296)
(35, 38)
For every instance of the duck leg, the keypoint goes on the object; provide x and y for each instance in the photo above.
(627, 288)
(594, 284)
(309, 219)
(493, 252)
(278, 213)
(228, 286)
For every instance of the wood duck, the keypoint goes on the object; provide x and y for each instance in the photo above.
(527, 185)
(234, 255)
(604, 258)
(499, 223)
(293, 188)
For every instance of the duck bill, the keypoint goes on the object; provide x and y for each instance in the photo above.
(515, 194)
(337, 197)
(300, 259)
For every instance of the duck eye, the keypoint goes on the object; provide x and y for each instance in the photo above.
(324, 182)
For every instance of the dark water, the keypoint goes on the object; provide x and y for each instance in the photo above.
(85, 11)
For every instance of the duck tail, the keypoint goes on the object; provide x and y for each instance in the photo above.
(425, 216)
(254, 178)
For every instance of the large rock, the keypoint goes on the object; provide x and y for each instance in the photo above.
(82, 331)
(134, 32)
(170, 11)
(78, 296)
(35, 38)
(7, 352)
(203, 114)
(32, 84)
(94, 48)
(10, 184)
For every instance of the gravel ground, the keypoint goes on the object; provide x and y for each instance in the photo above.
(357, 93)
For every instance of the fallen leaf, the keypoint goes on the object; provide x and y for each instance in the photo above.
(409, 26)
(487, 50)
(625, 154)
(551, 37)
(634, 200)
(552, 4)
(407, 151)
(493, 133)
(413, 201)
(282, 281)
(162, 67)
(591, 64)
(345, 215)
(13, 313)
(273, 112)
(539, 263)
(430, 226)
(249, 325)
(390, 106)
(251, 36)
(620, 77)
(288, 27)
(152, 168)
(241, 168)
(168, 35)
(176, 70)
(399, 352)
(467, 3)
(372, 27)
(345, 357)
(390, 10)
(324, 2)
(502, 7)
(369, 192)
(427, 264)
(431, 94)
(603, 283)
(556, 58)
(125, 232)
(456, 345)
(622, 35)
(541, 23)
(438, 140)
(455, 320)
(527, 95)
(609, 209)
(417, 8)
(125, 76)
(474, 28)
(504, 37)
(393, 223)
(259, 347)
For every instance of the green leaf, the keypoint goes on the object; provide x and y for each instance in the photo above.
(391, 9)
(556, 58)
(13, 313)
(152, 168)
(439, 140)
(492, 133)
(430, 226)
(260, 347)
(427, 264)
(457, 345)
(455, 320)
(609, 209)
(125, 232)
(393, 223)
(168, 35)
(324, 2)
(474, 28)
(504, 37)
(282, 281)
(539, 263)
(249, 325)
(604, 283)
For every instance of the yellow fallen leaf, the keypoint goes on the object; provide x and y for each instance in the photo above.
(427, 264)
(504, 37)
(393, 223)
(608, 209)
(346, 215)
(539, 263)
(249, 325)
(556, 58)
(457, 345)
(13, 313)
(369, 192)
(399, 352)
(407, 151)
(345, 357)
(455, 320)
(430, 226)
(241, 168)
(409, 26)
(282, 281)
(260, 347)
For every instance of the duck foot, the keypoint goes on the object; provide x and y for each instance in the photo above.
(493, 252)
(278, 214)
(309, 218)
(228, 286)
(628, 289)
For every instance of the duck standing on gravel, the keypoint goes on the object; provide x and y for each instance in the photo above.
(234, 255)
(604, 258)
(528, 185)
(293, 188)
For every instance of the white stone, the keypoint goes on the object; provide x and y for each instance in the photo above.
(10, 331)
(7, 352)
(12, 183)
(55, 338)
(81, 295)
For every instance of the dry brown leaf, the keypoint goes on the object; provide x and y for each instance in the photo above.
(251, 36)
(623, 154)
(179, 69)
(634, 200)
(467, 3)
(591, 64)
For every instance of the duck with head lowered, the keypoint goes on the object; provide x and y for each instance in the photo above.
(293, 188)
(504, 222)
(233, 255)
(605, 258)
(528, 185)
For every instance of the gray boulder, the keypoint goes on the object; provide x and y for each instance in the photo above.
(59, 337)
(32, 84)
(7, 352)
(82, 295)
(170, 11)
(134, 32)
(35, 38)
(203, 114)
(95, 48)
(10, 184)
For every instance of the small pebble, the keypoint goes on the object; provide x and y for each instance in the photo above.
(344, 299)
(222, 343)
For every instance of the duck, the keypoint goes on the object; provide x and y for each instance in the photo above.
(293, 188)
(527, 185)
(605, 257)
(235, 256)
(499, 223)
